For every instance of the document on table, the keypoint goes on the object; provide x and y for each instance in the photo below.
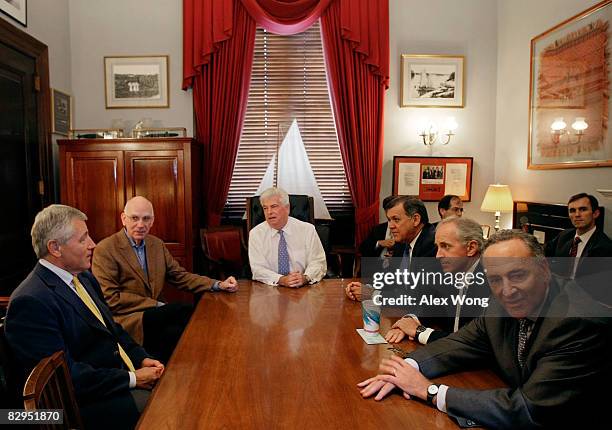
(371, 338)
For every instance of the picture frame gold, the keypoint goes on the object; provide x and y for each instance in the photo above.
(569, 90)
(61, 112)
(136, 81)
(429, 80)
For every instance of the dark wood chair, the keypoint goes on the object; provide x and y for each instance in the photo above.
(10, 380)
(224, 251)
(49, 386)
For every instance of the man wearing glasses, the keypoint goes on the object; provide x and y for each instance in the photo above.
(132, 267)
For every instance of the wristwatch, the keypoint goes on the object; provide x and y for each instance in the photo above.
(432, 391)
(420, 329)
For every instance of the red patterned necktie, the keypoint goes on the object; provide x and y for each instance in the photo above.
(574, 249)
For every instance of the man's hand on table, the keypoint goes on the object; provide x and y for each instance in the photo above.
(293, 280)
(353, 291)
(230, 285)
(395, 372)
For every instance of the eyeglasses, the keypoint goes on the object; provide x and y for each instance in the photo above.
(147, 219)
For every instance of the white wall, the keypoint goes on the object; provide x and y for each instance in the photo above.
(48, 22)
(125, 27)
(466, 27)
(520, 21)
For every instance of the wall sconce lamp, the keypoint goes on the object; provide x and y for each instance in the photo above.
(429, 131)
(497, 199)
(559, 128)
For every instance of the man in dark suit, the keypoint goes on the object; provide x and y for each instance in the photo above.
(448, 206)
(380, 240)
(59, 306)
(547, 339)
(584, 240)
(582, 252)
(413, 234)
(459, 242)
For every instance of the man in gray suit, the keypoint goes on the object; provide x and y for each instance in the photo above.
(546, 338)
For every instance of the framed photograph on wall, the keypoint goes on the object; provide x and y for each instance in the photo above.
(432, 80)
(430, 178)
(136, 82)
(569, 94)
(61, 112)
(16, 9)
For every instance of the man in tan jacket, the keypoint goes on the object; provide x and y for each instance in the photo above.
(132, 267)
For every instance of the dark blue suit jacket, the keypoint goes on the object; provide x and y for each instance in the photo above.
(45, 316)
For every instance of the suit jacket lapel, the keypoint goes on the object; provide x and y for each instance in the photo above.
(126, 251)
(102, 307)
(64, 291)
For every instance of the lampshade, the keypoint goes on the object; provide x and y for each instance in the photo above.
(497, 199)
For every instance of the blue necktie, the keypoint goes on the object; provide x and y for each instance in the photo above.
(406, 258)
(283, 255)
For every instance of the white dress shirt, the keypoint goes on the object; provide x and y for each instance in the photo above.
(306, 254)
(67, 278)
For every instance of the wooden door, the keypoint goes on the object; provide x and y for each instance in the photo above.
(19, 166)
(158, 175)
(94, 183)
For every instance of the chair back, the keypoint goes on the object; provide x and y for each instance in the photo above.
(301, 207)
(224, 250)
(10, 381)
(49, 386)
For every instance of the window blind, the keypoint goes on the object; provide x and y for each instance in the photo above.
(288, 81)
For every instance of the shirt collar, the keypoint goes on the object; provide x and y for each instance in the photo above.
(415, 239)
(64, 275)
(584, 237)
(132, 242)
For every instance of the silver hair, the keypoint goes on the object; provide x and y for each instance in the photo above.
(467, 230)
(274, 191)
(529, 240)
(53, 223)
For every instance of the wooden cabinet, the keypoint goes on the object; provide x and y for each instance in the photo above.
(98, 176)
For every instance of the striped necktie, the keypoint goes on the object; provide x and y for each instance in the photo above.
(524, 327)
(84, 296)
(283, 255)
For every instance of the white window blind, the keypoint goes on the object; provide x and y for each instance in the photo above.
(288, 81)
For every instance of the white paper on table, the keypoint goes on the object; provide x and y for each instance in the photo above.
(456, 179)
(408, 179)
(371, 338)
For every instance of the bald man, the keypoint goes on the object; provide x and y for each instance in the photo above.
(132, 267)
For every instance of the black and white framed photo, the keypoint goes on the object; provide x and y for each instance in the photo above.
(136, 82)
(61, 112)
(16, 9)
(432, 80)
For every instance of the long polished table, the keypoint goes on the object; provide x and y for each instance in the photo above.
(271, 357)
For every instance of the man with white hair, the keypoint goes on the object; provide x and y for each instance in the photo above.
(59, 307)
(459, 242)
(132, 267)
(283, 250)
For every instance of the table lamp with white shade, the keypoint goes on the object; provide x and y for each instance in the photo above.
(498, 199)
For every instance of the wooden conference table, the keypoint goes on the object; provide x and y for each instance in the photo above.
(269, 357)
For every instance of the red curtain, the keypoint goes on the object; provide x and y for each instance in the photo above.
(218, 41)
(356, 45)
(219, 68)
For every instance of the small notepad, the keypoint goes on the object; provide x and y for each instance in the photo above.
(371, 338)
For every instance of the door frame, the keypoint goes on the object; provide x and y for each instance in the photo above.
(23, 42)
